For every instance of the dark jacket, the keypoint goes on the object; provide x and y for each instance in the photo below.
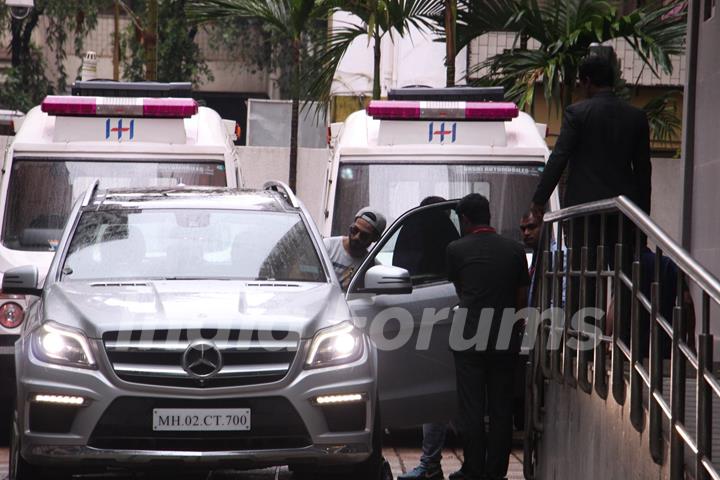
(487, 270)
(606, 143)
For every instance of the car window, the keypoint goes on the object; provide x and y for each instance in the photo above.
(192, 243)
(419, 244)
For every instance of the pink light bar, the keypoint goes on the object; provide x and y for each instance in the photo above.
(394, 109)
(413, 110)
(169, 107)
(69, 106)
(63, 105)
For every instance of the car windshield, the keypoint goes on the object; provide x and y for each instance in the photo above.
(395, 188)
(176, 244)
(41, 192)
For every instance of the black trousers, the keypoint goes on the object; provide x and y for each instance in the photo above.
(485, 387)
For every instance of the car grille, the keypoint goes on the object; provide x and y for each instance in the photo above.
(157, 357)
(127, 425)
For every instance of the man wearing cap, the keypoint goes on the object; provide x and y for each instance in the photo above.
(348, 252)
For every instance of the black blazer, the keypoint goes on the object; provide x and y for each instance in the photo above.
(606, 143)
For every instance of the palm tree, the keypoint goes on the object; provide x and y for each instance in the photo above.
(289, 20)
(450, 40)
(564, 30)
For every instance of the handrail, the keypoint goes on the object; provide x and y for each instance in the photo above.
(670, 249)
(283, 189)
(569, 268)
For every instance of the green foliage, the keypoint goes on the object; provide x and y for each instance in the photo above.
(26, 85)
(291, 31)
(663, 117)
(246, 41)
(179, 56)
(564, 30)
(27, 81)
(75, 16)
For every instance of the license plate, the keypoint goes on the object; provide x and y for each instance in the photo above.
(201, 419)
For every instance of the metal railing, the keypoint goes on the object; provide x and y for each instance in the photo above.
(594, 256)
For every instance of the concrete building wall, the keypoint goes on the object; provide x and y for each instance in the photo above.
(666, 201)
(586, 437)
(705, 227)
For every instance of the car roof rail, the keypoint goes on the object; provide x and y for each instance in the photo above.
(284, 190)
(90, 192)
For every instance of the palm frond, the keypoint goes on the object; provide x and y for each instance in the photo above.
(662, 114)
(478, 17)
(656, 32)
(275, 14)
(317, 85)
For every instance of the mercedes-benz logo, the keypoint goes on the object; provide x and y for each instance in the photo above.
(202, 359)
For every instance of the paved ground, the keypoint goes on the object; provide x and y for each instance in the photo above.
(400, 454)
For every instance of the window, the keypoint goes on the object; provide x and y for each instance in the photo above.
(419, 245)
(42, 192)
(396, 188)
(192, 244)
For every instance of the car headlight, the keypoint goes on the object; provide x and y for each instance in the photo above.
(53, 343)
(335, 345)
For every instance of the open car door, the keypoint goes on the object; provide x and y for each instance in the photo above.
(403, 293)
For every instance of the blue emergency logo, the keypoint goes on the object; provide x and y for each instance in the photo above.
(442, 132)
(119, 129)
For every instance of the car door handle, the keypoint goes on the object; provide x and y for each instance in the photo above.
(455, 308)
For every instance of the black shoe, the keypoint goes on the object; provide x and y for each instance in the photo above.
(460, 475)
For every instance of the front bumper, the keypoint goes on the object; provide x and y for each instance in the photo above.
(79, 442)
(89, 457)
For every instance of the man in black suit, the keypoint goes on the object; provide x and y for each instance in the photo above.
(605, 142)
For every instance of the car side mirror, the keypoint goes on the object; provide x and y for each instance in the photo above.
(387, 279)
(21, 280)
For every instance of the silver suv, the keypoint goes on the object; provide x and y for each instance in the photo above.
(204, 328)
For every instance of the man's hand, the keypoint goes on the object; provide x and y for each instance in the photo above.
(537, 210)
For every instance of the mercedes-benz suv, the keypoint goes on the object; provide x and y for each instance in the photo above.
(205, 328)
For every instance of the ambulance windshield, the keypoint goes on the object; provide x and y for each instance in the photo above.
(396, 188)
(42, 191)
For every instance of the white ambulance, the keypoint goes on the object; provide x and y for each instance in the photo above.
(68, 142)
(434, 142)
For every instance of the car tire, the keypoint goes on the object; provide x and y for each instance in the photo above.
(19, 468)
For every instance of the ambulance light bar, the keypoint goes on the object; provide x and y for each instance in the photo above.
(412, 110)
(65, 105)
